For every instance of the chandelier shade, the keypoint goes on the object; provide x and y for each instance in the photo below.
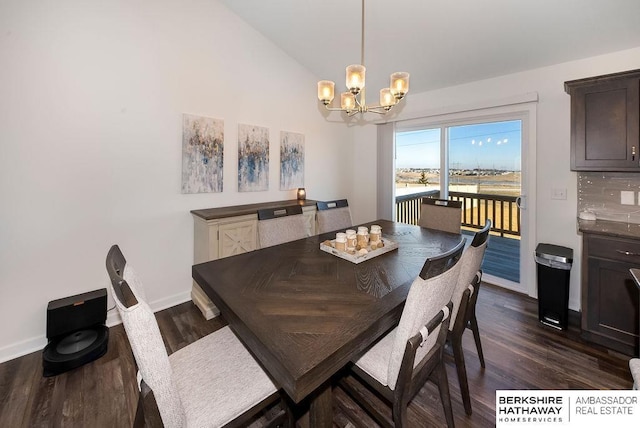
(399, 84)
(355, 78)
(353, 101)
(326, 90)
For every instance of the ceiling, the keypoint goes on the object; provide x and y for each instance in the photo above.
(441, 42)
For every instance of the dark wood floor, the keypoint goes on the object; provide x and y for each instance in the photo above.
(519, 353)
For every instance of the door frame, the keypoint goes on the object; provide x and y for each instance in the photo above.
(526, 113)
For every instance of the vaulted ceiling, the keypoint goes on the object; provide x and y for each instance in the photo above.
(441, 42)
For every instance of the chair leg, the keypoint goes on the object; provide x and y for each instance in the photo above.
(473, 325)
(282, 417)
(440, 374)
(458, 355)
(400, 414)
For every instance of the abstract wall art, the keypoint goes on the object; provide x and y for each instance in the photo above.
(291, 160)
(253, 158)
(202, 154)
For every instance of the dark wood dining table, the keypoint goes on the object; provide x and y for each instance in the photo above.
(305, 313)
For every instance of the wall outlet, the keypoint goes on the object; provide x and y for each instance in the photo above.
(627, 197)
(558, 193)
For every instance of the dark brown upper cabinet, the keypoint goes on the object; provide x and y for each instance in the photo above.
(605, 122)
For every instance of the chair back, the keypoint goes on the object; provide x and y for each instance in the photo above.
(146, 341)
(441, 214)
(634, 367)
(333, 215)
(280, 225)
(634, 363)
(427, 296)
(470, 265)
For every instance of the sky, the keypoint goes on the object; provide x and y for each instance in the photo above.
(485, 146)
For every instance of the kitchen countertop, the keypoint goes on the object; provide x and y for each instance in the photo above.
(610, 228)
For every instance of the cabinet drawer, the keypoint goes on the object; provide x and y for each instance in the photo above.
(615, 249)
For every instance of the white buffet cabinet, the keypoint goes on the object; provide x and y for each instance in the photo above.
(224, 232)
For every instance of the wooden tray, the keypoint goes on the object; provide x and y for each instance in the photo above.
(389, 245)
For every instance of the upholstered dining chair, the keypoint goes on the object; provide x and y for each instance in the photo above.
(399, 364)
(440, 214)
(333, 215)
(634, 366)
(280, 225)
(634, 363)
(464, 301)
(212, 382)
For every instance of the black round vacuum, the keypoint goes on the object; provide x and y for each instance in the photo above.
(76, 332)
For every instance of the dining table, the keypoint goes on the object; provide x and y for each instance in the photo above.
(305, 313)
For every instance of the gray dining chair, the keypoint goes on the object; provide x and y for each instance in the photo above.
(464, 301)
(212, 382)
(280, 225)
(333, 215)
(634, 366)
(398, 365)
(440, 214)
(634, 363)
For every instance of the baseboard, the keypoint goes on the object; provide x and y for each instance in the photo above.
(22, 348)
(37, 344)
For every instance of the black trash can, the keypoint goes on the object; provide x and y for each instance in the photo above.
(554, 266)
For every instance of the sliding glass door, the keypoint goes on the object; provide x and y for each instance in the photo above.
(478, 162)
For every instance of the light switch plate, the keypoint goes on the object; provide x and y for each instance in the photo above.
(627, 197)
(557, 193)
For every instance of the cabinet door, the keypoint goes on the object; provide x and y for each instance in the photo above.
(612, 304)
(310, 221)
(605, 126)
(237, 238)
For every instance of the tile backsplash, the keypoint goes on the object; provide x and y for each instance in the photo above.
(601, 193)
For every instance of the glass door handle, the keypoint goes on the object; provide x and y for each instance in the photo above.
(519, 202)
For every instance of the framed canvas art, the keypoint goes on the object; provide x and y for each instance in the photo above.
(253, 158)
(291, 160)
(202, 154)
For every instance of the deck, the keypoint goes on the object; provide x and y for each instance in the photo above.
(502, 258)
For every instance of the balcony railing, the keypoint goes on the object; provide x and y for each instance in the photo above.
(476, 208)
(408, 206)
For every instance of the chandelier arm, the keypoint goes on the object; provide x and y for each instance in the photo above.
(334, 108)
(376, 109)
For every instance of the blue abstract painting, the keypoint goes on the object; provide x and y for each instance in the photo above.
(253, 158)
(291, 160)
(202, 154)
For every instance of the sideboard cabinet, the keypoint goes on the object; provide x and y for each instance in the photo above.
(605, 122)
(227, 231)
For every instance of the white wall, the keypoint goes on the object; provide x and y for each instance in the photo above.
(91, 102)
(555, 219)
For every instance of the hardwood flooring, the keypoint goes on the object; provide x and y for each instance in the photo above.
(519, 354)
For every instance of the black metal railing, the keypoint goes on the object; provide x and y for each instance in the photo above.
(476, 209)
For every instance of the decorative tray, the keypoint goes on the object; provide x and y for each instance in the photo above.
(359, 256)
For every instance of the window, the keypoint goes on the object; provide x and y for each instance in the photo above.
(473, 158)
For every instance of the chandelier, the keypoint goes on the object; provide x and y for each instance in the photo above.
(353, 101)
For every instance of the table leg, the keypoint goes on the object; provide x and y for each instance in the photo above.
(321, 407)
